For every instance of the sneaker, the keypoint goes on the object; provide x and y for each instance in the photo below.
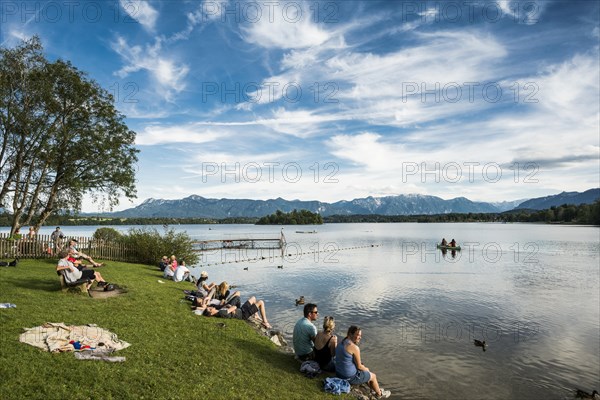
(384, 394)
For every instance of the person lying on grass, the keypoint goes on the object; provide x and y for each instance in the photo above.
(73, 274)
(249, 309)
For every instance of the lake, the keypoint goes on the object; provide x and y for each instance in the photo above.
(532, 292)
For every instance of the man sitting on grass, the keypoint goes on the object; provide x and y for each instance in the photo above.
(73, 274)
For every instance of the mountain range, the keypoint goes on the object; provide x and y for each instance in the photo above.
(412, 204)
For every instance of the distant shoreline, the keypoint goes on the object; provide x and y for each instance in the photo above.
(584, 214)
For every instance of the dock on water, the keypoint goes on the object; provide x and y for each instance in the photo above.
(248, 241)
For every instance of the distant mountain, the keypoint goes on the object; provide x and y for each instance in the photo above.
(200, 207)
(411, 204)
(407, 205)
(507, 205)
(575, 198)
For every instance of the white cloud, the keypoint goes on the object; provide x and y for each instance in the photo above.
(167, 73)
(570, 90)
(14, 33)
(522, 12)
(300, 123)
(141, 11)
(191, 133)
(288, 25)
(208, 10)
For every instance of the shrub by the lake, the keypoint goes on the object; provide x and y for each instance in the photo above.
(108, 235)
(149, 245)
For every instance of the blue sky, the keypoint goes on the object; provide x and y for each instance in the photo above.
(335, 100)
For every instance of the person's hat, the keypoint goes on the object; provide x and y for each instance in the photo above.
(203, 274)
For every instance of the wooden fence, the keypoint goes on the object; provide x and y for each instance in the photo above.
(41, 246)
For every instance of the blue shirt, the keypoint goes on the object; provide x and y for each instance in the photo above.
(304, 332)
(344, 362)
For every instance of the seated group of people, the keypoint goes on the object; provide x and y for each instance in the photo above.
(174, 270)
(70, 265)
(343, 358)
(212, 300)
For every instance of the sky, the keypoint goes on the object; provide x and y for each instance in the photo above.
(337, 100)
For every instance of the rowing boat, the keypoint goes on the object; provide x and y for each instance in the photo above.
(439, 246)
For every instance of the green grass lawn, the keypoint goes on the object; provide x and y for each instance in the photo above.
(174, 354)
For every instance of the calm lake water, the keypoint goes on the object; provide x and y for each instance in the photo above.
(532, 292)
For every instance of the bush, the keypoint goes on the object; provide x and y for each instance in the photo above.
(108, 235)
(150, 245)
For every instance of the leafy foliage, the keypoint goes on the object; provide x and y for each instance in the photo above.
(302, 217)
(108, 235)
(62, 138)
(150, 245)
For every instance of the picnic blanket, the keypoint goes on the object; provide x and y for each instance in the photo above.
(57, 337)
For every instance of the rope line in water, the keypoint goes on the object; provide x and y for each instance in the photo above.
(288, 255)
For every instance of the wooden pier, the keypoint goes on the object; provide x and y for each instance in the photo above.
(250, 242)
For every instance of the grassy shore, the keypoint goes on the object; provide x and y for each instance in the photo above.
(174, 354)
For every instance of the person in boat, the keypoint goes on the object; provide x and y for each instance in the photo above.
(452, 243)
(444, 242)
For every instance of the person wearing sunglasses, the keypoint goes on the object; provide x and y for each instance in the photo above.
(305, 332)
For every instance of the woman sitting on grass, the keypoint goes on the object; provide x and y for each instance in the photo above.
(250, 308)
(325, 344)
(349, 366)
(203, 289)
(73, 274)
(218, 297)
(169, 271)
